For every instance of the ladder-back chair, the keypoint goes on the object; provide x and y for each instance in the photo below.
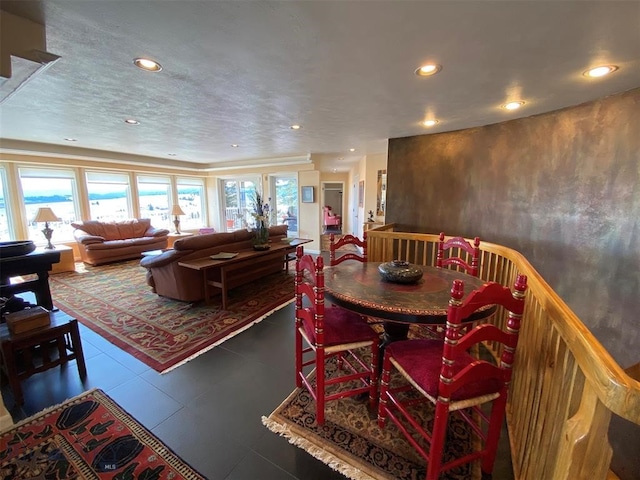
(446, 376)
(331, 332)
(334, 245)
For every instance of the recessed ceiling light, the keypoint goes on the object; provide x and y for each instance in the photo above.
(600, 71)
(147, 64)
(131, 121)
(428, 70)
(512, 105)
(430, 123)
(296, 127)
(235, 145)
(69, 139)
(352, 149)
(172, 154)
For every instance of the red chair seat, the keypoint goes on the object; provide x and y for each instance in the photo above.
(421, 361)
(341, 327)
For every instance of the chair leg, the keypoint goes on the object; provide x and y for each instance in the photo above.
(320, 374)
(437, 440)
(298, 357)
(373, 379)
(384, 388)
(493, 434)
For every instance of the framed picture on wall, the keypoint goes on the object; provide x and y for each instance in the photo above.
(307, 194)
(361, 194)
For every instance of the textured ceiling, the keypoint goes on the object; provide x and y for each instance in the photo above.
(242, 72)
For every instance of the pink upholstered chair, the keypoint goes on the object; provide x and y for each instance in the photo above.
(331, 332)
(446, 376)
(331, 219)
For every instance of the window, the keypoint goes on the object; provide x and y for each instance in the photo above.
(53, 188)
(236, 202)
(284, 204)
(191, 200)
(5, 225)
(109, 196)
(154, 195)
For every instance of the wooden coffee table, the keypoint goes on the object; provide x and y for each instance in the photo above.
(28, 353)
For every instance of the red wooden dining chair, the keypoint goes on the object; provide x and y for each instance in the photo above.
(331, 332)
(446, 376)
(334, 245)
(459, 252)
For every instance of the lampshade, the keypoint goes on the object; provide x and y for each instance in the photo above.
(45, 214)
(176, 210)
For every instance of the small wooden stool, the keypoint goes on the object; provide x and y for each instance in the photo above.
(17, 350)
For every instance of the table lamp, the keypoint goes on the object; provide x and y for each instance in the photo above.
(46, 215)
(176, 210)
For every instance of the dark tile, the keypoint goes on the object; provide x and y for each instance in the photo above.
(255, 466)
(201, 443)
(197, 376)
(136, 396)
(129, 361)
(293, 459)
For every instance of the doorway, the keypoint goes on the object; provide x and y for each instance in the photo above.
(284, 201)
(333, 197)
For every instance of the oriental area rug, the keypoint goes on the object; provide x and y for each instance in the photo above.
(87, 437)
(115, 301)
(351, 442)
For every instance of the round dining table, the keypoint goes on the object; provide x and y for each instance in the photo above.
(360, 287)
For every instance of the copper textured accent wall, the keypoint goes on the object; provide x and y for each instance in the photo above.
(563, 188)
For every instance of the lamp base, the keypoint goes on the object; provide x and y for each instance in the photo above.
(47, 232)
(176, 222)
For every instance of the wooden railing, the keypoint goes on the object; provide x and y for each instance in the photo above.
(565, 384)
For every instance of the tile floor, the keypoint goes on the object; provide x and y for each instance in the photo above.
(208, 410)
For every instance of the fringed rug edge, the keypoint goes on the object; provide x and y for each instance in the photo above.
(330, 456)
(224, 339)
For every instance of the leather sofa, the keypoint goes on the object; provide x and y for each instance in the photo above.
(169, 279)
(104, 242)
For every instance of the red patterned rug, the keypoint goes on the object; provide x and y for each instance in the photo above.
(115, 301)
(89, 436)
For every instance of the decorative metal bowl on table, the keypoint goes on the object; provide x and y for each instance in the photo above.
(16, 248)
(398, 271)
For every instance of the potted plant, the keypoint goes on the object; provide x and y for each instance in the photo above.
(261, 217)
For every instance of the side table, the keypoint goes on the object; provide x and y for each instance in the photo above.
(172, 237)
(67, 262)
(17, 351)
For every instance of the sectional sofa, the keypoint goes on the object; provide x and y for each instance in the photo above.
(169, 279)
(104, 242)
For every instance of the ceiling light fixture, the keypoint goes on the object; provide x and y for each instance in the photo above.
(352, 149)
(430, 123)
(428, 70)
(600, 71)
(172, 154)
(235, 145)
(512, 105)
(295, 127)
(131, 121)
(147, 64)
(69, 139)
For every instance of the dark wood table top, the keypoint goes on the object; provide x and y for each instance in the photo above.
(243, 255)
(360, 287)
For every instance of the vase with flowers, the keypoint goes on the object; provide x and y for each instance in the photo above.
(260, 214)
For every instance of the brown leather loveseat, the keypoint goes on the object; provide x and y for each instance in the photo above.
(169, 279)
(103, 242)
